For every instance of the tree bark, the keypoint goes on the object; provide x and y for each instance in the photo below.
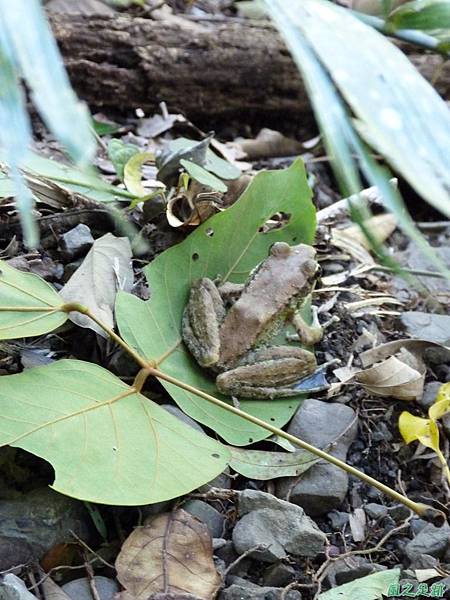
(200, 69)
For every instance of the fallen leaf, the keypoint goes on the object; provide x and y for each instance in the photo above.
(171, 554)
(52, 590)
(429, 351)
(261, 465)
(357, 522)
(394, 377)
(132, 174)
(371, 587)
(105, 269)
(269, 143)
(381, 227)
(119, 154)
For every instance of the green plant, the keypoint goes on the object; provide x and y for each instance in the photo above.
(365, 91)
(28, 50)
(107, 441)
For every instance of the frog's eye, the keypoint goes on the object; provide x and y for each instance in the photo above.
(309, 267)
(280, 249)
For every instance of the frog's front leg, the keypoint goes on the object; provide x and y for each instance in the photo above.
(201, 322)
(268, 373)
(307, 334)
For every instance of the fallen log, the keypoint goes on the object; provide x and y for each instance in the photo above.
(201, 69)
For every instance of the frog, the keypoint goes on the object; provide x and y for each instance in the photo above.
(228, 327)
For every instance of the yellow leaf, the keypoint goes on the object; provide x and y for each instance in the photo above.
(444, 393)
(416, 428)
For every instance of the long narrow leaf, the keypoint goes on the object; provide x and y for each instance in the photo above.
(24, 24)
(398, 112)
(341, 140)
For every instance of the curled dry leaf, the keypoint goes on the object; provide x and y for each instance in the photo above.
(170, 556)
(269, 143)
(381, 227)
(400, 376)
(428, 351)
(105, 270)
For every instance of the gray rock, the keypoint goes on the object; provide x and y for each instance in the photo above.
(375, 511)
(417, 525)
(211, 517)
(13, 588)
(76, 241)
(40, 520)
(399, 512)
(353, 567)
(281, 527)
(177, 412)
(249, 591)
(324, 486)
(430, 391)
(278, 575)
(338, 519)
(424, 561)
(427, 326)
(15, 551)
(79, 589)
(431, 540)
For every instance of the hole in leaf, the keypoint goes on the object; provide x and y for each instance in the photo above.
(272, 419)
(250, 440)
(195, 256)
(276, 222)
(215, 455)
(209, 232)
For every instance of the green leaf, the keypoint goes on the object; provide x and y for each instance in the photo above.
(15, 135)
(258, 464)
(341, 141)
(106, 442)
(202, 176)
(213, 163)
(83, 182)
(371, 587)
(27, 291)
(37, 56)
(105, 128)
(119, 154)
(425, 15)
(229, 245)
(132, 173)
(398, 112)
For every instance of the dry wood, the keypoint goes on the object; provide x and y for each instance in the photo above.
(201, 69)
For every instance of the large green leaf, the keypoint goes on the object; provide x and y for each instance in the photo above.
(228, 245)
(27, 291)
(398, 112)
(106, 442)
(259, 464)
(371, 587)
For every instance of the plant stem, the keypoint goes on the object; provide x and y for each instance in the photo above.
(406, 35)
(423, 510)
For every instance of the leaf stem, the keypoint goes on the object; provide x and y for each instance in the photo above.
(423, 510)
(76, 307)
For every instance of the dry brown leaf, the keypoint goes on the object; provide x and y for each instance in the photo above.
(421, 348)
(394, 378)
(381, 227)
(170, 555)
(269, 143)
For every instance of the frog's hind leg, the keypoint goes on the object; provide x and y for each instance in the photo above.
(201, 321)
(268, 373)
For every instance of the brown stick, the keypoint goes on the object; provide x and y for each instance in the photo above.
(201, 69)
